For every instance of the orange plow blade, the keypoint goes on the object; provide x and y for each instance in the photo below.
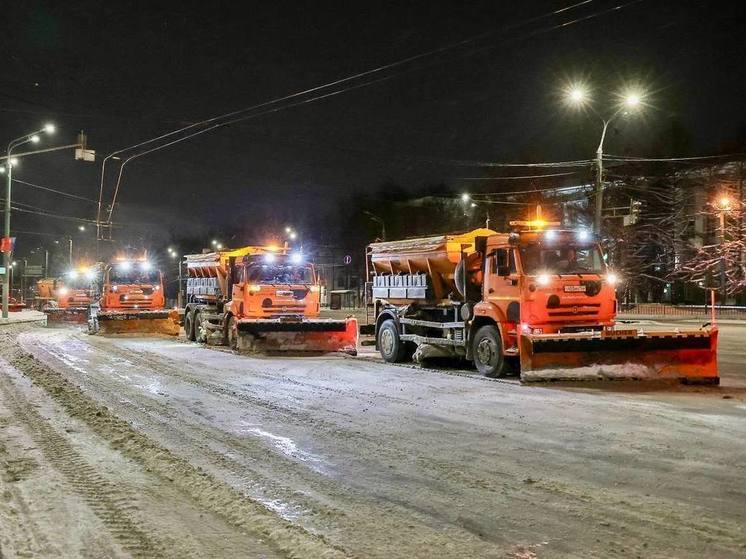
(689, 357)
(163, 322)
(70, 315)
(303, 336)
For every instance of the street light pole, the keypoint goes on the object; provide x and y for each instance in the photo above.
(6, 232)
(578, 97)
(33, 137)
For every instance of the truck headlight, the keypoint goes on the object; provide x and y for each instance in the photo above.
(543, 279)
(612, 279)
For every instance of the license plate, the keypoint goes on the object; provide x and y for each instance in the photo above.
(575, 289)
(284, 293)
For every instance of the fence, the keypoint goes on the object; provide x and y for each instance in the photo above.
(658, 309)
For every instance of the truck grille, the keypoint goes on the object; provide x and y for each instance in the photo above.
(572, 310)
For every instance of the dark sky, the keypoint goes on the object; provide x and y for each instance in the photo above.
(127, 71)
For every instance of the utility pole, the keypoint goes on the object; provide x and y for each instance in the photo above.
(598, 218)
(70, 241)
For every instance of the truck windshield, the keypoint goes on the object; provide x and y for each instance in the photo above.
(134, 277)
(278, 273)
(567, 259)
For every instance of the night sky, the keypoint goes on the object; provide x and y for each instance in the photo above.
(128, 71)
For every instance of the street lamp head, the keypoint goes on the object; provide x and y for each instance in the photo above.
(214, 242)
(465, 197)
(288, 230)
(49, 128)
(723, 203)
(293, 235)
(219, 246)
(81, 227)
(577, 95)
(632, 98)
(13, 162)
(34, 139)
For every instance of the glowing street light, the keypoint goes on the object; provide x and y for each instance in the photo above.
(465, 197)
(576, 95)
(81, 227)
(629, 100)
(724, 203)
(33, 137)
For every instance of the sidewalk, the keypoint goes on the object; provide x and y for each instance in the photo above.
(24, 316)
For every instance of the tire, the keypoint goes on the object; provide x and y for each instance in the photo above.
(189, 326)
(390, 345)
(487, 352)
(199, 333)
(231, 333)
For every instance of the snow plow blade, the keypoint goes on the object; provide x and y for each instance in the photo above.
(165, 322)
(689, 357)
(70, 315)
(306, 336)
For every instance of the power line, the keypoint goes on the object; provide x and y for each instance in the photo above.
(624, 158)
(334, 93)
(516, 177)
(60, 192)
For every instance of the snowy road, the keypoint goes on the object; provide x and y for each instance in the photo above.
(373, 460)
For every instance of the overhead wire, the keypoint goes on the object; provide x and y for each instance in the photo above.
(55, 191)
(334, 93)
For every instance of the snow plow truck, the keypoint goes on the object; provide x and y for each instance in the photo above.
(67, 299)
(260, 298)
(537, 302)
(132, 300)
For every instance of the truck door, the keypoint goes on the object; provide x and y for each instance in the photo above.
(502, 285)
(238, 285)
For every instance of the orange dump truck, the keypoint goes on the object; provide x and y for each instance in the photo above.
(68, 299)
(260, 298)
(539, 302)
(132, 300)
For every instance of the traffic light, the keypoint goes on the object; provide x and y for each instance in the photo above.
(634, 212)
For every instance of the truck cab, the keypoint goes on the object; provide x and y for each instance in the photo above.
(132, 284)
(74, 290)
(545, 282)
(274, 285)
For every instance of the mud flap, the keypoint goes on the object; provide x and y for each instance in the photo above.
(303, 336)
(689, 357)
(164, 322)
(70, 315)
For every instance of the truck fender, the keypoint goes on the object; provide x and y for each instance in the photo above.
(486, 313)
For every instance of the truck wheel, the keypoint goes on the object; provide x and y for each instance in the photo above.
(200, 333)
(231, 334)
(487, 352)
(189, 325)
(391, 346)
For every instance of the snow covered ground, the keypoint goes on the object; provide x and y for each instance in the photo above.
(157, 447)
